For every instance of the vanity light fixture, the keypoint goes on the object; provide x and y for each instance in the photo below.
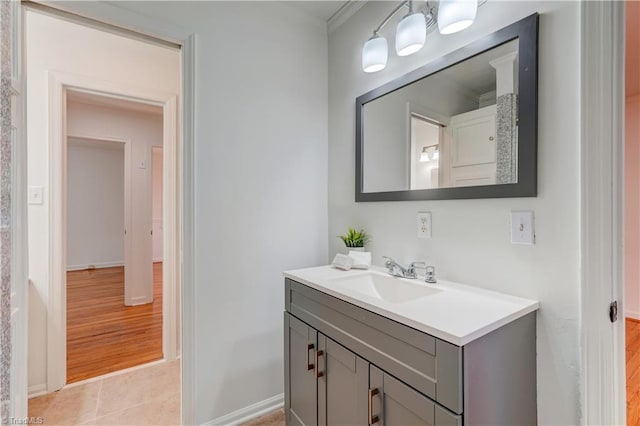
(411, 32)
(429, 153)
(424, 155)
(456, 15)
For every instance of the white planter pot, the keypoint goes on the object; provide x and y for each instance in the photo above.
(354, 249)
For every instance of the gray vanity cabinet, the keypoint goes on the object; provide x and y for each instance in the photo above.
(343, 383)
(395, 403)
(300, 349)
(326, 383)
(345, 365)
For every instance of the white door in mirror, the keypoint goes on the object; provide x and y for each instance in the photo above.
(522, 230)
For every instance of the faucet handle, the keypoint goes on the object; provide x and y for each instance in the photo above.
(411, 269)
(388, 261)
(430, 275)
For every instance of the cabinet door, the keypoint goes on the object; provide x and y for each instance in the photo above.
(301, 396)
(394, 403)
(343, 381)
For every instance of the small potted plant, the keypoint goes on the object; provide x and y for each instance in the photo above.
(355, 240)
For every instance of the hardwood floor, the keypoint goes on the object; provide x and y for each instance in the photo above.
(633, 371)
(103, 335)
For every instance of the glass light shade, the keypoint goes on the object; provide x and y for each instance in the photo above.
(456, 15)
(436, 154)
(411, 34)
(424, 155)
(374, 54)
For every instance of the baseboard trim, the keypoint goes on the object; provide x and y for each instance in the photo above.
(37, 390)
(633, 315)
(94, 265)
(248, 413)
(140, 300)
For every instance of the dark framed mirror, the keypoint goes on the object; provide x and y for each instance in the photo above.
(463, 126)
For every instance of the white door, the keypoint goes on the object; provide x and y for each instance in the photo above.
(473, 149)
(13, 231)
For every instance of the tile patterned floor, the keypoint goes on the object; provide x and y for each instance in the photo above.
(275, 418)
(147, 396)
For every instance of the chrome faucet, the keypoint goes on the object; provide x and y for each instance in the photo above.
(397, 270)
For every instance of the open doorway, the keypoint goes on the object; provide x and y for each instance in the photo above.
(114, 239)
(102, 129)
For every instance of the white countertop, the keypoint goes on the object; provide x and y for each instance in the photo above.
(457, 314)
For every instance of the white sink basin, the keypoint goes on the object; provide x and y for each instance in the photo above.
(387, 288)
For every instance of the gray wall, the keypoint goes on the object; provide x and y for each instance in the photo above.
(470, 241)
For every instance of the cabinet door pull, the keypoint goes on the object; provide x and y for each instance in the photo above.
(318, 373)
(309, 348)
(372, 419)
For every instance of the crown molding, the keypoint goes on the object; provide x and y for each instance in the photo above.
(346, 11)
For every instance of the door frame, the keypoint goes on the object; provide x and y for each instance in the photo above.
(603, 396)
(121, 21)
(59, 84)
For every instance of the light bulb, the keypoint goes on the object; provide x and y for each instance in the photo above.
(424, 155)
(374, 54)
(411, 34)
(456, 15)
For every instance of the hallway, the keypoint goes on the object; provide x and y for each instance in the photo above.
(104, 335)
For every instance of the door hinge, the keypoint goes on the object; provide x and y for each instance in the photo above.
(613, 311)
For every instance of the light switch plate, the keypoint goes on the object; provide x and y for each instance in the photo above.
(35, 195)
(522, 227)
(424, 224)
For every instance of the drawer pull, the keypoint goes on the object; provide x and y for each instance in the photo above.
(318, 373)
(372, 419)
(309, 365)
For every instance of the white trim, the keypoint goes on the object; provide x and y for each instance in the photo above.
(37, 390)
(96, 265)
(250, 412)
(143, 300)
(346, 11)
(19, 256)
(601, 177)
(56, 323)
(187, 310)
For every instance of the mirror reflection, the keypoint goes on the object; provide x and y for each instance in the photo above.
(457, 127)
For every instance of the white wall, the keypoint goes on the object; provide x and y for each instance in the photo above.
(261, 183)
(95, 203)
(53, 44)
(470, 241)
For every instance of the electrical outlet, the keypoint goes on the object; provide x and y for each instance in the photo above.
(424, 224)
(522, 229)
